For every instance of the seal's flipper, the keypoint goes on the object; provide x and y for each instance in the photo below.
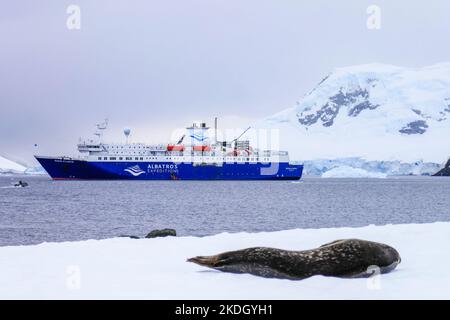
(207, 261)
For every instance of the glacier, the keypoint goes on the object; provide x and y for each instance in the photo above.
(350, 172)
(318, 167)
(377, 117)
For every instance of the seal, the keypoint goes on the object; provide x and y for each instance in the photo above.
(348, 258)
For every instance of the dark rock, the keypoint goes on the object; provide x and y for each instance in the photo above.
(355, 101)
(415, 127)
(447, 109)
(356, 110)
(161, 233)
(444, 171)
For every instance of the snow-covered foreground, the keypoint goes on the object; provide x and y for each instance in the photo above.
(157, 268)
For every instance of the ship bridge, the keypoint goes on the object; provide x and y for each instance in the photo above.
(197, 145)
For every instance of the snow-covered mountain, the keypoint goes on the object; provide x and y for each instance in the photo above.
(8, 166)
(373, 112)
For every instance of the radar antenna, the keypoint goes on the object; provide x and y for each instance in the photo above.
(103, 125)
(100, 128)
(126, 132)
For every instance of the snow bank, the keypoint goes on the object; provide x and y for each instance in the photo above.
(349, 172)
(8, 166)
(157, 268)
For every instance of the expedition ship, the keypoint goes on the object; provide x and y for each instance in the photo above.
(193, 157)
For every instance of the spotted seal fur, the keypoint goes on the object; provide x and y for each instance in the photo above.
(347, 258)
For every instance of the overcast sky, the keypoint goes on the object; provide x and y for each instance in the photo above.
(158, 65)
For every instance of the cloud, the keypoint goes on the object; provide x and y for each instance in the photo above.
(161, 64)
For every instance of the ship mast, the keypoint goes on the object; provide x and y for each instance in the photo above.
(101, 127)
(215, 130)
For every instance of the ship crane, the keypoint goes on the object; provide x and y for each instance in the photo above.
(235, 140)
(181, 139)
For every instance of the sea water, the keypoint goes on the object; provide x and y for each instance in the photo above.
(48, 211)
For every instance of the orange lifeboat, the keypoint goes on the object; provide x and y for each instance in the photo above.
(201, 148)
(175, 148)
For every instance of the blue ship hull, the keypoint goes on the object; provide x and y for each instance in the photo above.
(60, 168)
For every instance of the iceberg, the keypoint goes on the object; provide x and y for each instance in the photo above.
(35, 171)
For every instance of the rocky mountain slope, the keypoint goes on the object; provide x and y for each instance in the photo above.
(374, 112)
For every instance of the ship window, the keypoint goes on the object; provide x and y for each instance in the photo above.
(120, 158)
(112, 158)
(141, 158)
(136, 158)
(105, 158)
(99, 158)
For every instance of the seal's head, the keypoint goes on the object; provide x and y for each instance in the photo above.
(388, 258)
(367, 256)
